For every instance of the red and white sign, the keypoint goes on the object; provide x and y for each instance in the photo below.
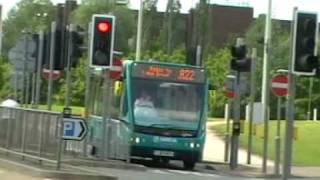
(55, 74)
(116, 69)
(280, 85)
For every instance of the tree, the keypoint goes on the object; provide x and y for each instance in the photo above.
(173, 28)
(5, 79)
(125, 24)
(31, 15)
(152, 20)
(217, 64)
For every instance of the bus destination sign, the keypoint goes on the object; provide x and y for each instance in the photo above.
(165, 72)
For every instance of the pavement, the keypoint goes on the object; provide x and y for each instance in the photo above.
(6, 174)
(217, 144)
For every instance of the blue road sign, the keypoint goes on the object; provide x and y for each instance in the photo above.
(74, 129)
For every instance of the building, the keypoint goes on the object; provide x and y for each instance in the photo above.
(223, 23)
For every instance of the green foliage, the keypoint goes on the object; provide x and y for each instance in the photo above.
(125, 22)
(25, 16)
(78, 80)
(217, 64)
(5, 79)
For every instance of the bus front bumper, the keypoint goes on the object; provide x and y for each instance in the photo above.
(148, 152)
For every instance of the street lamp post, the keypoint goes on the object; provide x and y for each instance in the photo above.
(139, 31)
(265, 85)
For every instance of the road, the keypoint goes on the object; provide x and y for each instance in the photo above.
(164, 174)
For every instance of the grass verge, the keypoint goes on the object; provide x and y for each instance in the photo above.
(306, 150)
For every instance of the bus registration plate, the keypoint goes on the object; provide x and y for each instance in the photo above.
(163, 153)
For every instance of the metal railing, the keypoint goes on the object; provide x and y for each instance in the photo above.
(35, 134)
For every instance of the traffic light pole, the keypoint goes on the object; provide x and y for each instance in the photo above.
(287, 153)
(68, 68)
(87, 91)
(23, 89)
(236, 125)
(38, 78)
(252, 98)
(52, 51)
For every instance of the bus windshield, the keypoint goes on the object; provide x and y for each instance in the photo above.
(163, 104)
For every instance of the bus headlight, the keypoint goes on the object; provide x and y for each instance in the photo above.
(192, 145)
(137, 140)
(198, 145)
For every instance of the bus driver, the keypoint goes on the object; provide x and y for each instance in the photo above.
(144, 101)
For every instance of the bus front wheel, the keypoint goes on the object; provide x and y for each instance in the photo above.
(189, 165)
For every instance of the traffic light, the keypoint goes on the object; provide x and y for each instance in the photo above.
(239, 61)
(76, 48)
(102, 40)
(305, 60)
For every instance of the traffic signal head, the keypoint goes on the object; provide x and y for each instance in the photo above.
(102, 40)
(77, 40)
(305, 59)
(239, 61)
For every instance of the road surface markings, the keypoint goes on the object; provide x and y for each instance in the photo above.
(169, 171)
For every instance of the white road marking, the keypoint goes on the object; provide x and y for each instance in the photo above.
(159, 171)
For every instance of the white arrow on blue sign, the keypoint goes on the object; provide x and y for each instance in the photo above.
(74, 129)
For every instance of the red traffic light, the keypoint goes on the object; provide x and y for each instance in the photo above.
(104, 27)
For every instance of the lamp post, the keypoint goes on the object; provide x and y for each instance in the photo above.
(139, 31)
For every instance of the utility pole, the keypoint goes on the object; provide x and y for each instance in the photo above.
(139, 31)
(265, 85)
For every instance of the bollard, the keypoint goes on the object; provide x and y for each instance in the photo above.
(41, 124)
(315, 114)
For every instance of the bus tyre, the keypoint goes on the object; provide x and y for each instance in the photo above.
(189, 165)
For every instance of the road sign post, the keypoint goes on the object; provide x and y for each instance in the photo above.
(279, 87)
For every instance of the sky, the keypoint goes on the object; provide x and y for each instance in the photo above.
(281, 9)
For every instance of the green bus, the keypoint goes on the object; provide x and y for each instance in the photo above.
(160, 110)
